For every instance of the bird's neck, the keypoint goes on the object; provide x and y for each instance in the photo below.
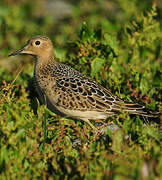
(43, 65)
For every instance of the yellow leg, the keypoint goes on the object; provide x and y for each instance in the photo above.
(91, 125)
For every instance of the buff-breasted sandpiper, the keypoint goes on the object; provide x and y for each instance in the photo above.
(70, 93)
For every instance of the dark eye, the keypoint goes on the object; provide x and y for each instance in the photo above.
(37, 42)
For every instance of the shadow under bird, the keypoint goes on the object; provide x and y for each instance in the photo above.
(70, 93)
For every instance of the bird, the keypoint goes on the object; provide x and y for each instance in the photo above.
(70, 93)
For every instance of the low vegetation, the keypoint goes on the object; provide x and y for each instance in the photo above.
(120, 50)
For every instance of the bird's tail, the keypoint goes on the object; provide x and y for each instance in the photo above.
(138, 109)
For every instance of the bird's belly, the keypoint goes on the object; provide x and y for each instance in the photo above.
(77, 114)
(52, 99)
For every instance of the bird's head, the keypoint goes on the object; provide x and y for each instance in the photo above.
(39, 46)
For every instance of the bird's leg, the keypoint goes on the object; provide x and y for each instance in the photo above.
(91, 125)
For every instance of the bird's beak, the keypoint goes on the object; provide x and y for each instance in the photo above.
(22, 51)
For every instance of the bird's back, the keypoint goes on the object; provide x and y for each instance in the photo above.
(69, 89)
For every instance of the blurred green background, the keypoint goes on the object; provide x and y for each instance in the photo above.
(117, 43)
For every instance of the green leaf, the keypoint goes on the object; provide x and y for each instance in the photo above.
(112, 42)
(96, 65)
(151, 132)
(110, 59)
(144, 85)
(86, 33)
(117, 141)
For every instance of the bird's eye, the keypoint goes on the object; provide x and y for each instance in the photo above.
(37, 43)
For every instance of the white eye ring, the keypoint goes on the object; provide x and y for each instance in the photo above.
(37, 43)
